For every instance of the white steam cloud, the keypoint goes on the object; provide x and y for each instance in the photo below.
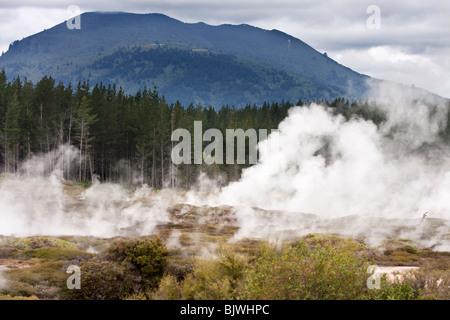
(356, 178)
(365, 171)
(34, 202)
(329, 174)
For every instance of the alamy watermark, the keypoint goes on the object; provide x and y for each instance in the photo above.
(214, 152)
(374, 281)
(74, 22)
(373, 22)
(74, 281)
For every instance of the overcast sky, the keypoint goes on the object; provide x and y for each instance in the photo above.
(411, 45)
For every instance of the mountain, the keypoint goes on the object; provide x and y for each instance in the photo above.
(199, 63)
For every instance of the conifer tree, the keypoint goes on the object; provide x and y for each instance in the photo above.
(84, 120)
(12, 135)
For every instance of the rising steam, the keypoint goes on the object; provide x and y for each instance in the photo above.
(333, 167)
(329, 174)
(382, 177)
(34, 202)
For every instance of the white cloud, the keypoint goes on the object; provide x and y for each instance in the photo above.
(393, 55)
(396, 64)
(18, 23)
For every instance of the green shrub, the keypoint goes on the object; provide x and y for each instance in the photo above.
(137, 296)
(409, 249)
(55, 253)
(44, 280)
(169, 289)
(83, 184)
(321, 271)
(148, 255)
(6, 253)
(179, 268)
(206, 282)
(105, 280)
(212, 279)
(118, 249)
(231, 264)
(45, 272)
(36, 242)
(128, 270)
(17, 289)
(395, 291)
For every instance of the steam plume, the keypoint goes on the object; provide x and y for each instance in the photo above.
(329, 175)
(383, 177)
(34, 202)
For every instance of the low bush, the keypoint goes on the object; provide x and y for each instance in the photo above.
(212, 279)
(6, 253)
(16, 288)
(432, 279)
(409, 249)
(395, 291)
(169, 289)
(314, 272)
(130, 269)
(54, 253)
(305, 272)
(148, 255)
(35, 242)
(44, 280)
(105, 280)
(8, 297)
(207, 282)
(179, 268)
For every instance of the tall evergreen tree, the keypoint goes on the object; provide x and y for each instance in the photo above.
(84, 120)
(12, 135)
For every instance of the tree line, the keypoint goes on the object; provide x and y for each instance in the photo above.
(120, 137)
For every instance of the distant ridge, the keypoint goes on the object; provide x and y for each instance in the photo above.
(189, 62)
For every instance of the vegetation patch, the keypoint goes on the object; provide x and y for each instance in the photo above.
(53, 253)
(35, 242)
(202, 265)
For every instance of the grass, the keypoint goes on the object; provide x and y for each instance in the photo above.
(52, 253)
(44, 280)
(7, 297)
(83, 184)
(34, 242)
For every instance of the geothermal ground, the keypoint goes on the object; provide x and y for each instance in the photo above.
(33, 265)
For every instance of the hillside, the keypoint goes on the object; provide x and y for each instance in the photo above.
(199, 63)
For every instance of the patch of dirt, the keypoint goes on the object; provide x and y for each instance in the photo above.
(395, 273)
